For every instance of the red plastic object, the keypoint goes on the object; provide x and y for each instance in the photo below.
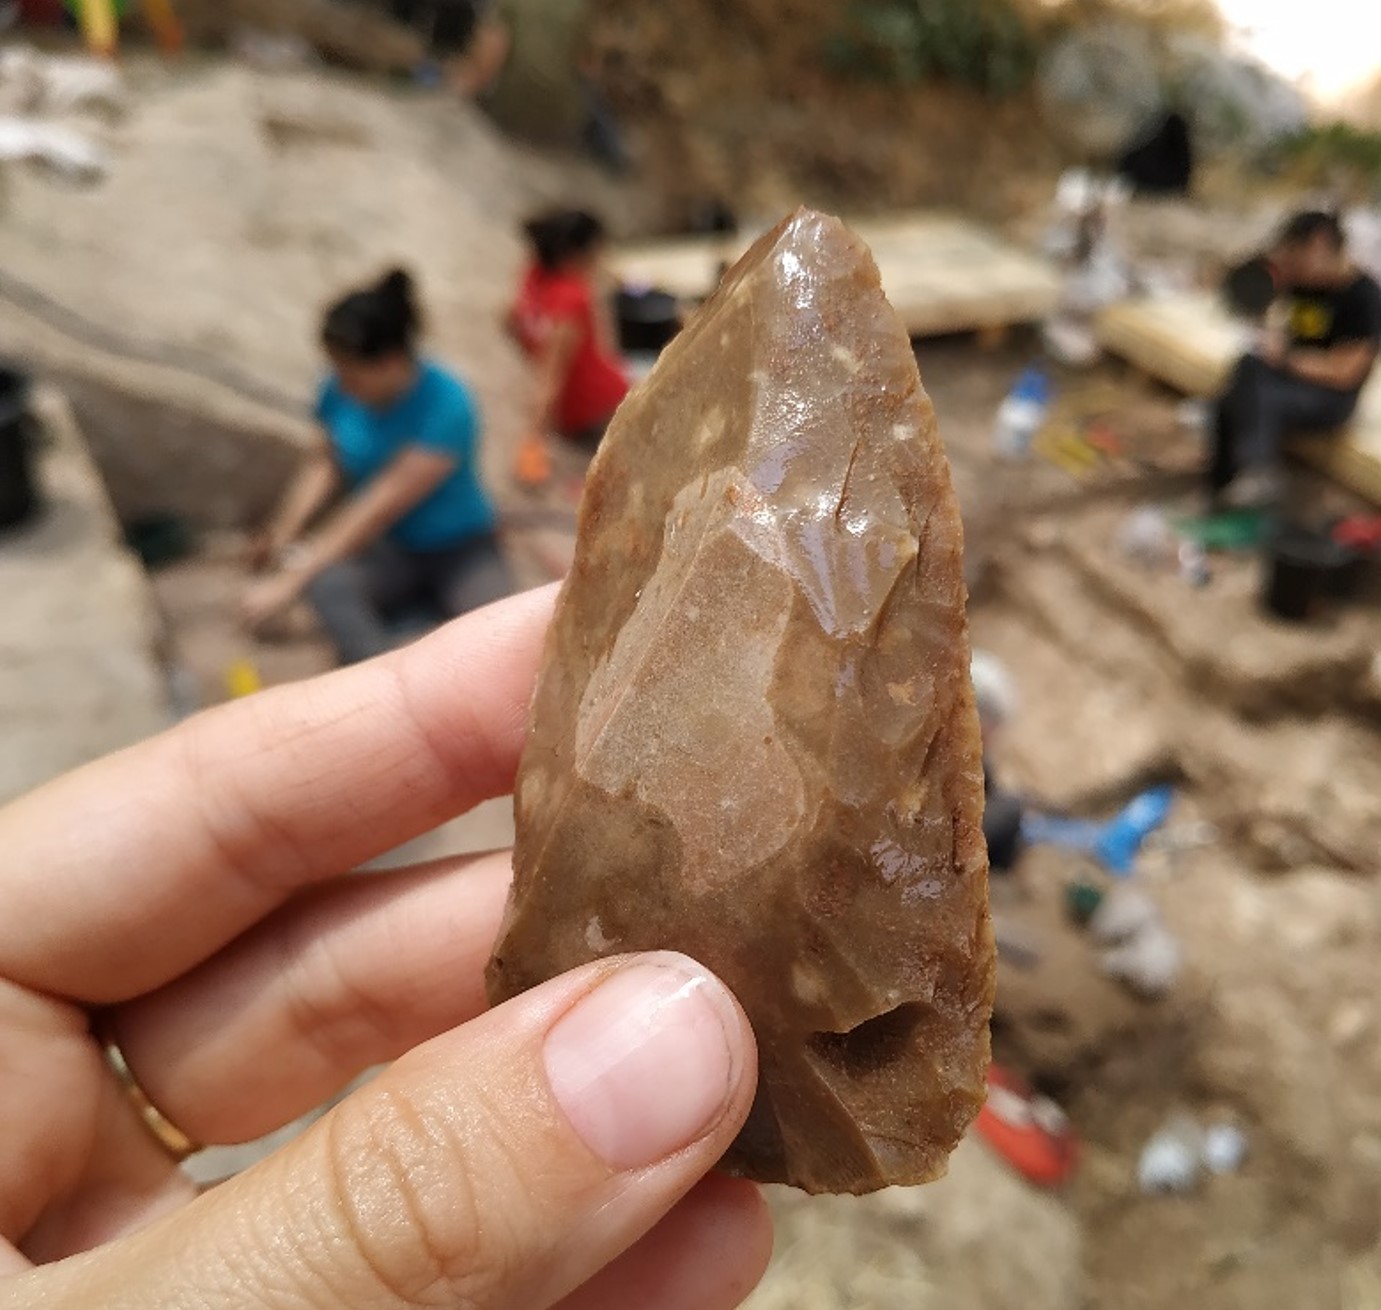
(1028, 1131)
(1360, 532)
(1102, 436)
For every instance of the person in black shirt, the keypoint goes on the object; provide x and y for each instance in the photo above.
(1306, 377)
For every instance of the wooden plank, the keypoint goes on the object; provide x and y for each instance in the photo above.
(945, 274)
(1352, 457)
(1191, 343)
(942, 273)
(686, 267)
(1187, 341)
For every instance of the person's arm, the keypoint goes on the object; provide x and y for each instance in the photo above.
(362, 520)
(606, 324)
(479, 68)
(312, 489)
(553, 367)
(365, 517)
(1343, 367)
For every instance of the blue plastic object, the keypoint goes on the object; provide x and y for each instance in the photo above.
(1057, 830)
(1121, 841)
(1115, 843)
(1032, 385)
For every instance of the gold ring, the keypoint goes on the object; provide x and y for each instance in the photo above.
(170, 1137)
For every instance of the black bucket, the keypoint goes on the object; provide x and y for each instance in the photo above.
(1305, 570)
(18, 486)
(648, 319)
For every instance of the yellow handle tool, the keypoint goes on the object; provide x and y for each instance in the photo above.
(242, 679)
(100, 26)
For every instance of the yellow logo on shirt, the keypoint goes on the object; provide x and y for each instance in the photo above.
(1310, 320)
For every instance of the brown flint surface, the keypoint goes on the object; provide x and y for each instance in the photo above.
(753, 737)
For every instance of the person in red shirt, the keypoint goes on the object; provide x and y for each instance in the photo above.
(566, 328)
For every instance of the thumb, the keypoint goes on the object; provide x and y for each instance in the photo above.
(498, 1167)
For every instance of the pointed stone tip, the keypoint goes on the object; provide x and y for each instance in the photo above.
(813, 229)
(810, 252)
(805, 216)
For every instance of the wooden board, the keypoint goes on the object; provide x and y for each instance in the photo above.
(943, 274)
(1187, 341)
(1190, 342)
(689, 268)
(1352, 457)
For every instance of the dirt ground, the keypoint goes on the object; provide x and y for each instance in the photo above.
(1126, 675)
(1270, 734)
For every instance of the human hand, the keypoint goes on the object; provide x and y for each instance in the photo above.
(268, 597)
(1272, 347)
(532, 465)
(190, 890)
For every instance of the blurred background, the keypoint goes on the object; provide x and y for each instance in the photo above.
(1181, 696)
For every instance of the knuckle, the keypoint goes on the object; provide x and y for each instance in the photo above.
(235, 824)
(463, 752)
(426, 1217)
(327, 1007)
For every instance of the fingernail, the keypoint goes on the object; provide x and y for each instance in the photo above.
(645, 1064)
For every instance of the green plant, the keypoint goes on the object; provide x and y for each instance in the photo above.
(985, 44)
(1327, 150)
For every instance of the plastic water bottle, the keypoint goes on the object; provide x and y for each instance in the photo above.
(1171, 1160)
(1021, 415)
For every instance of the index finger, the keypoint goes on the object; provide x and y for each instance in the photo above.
(123, 875)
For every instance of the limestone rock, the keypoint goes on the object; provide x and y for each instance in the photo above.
(754, 737)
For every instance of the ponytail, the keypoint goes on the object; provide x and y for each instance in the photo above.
(381, 320)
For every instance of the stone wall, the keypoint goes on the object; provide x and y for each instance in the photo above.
(79, 673)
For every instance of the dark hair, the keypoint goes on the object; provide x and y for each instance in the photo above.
(1308, 223)
(562, 235)
(375, 322)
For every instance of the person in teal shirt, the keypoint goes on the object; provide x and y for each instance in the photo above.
(401, 440)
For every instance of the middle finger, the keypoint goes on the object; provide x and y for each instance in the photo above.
(349, 976)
